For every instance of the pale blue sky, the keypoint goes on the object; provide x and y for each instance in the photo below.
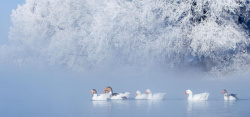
(6, 7)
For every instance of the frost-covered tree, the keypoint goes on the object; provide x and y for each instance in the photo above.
(81, 34)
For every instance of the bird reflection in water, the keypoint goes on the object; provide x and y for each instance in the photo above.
(194, 106)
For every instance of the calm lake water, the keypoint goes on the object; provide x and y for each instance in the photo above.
(163, 108)
(67, 96)
(127, 108)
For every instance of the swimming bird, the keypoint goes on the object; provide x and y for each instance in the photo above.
(109, 90)
(230, 96)
(140, 96)
(155, 96)
(100, 96)
(201, 96)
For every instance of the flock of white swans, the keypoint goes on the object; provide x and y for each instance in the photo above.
(109, 95)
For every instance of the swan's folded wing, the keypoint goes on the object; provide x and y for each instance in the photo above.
(124, 95)
(201, 96)
(234, 95)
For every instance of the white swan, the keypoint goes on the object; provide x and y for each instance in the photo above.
(100, 96)
(201, 96)
(109, 90)
(140, 96)
(230, 96)
(155, 96)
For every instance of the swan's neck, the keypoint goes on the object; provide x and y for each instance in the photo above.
(94, 95)
(190, 97)
(225, 94)
(111, 90)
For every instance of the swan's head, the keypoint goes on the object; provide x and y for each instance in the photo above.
(138, 93)
(93, 91)
(224, 91)
(148, 91)
(108, 90)
(188, 92)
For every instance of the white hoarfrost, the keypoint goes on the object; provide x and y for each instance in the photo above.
(82, 34)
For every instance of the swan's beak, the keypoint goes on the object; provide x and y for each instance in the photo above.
(146, 92)
(105, 90)
(136, 94)
(222, 92)
(185, 93)
(91, 92)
